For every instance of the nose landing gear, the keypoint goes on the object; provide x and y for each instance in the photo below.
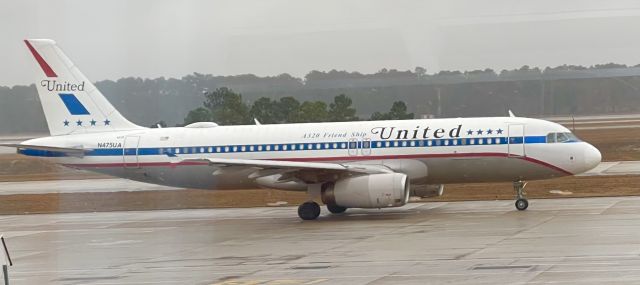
(521, 202)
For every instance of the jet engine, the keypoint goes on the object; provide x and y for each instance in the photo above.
(426, 191)
(368, 191)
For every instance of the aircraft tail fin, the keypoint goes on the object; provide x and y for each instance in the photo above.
(71, 103)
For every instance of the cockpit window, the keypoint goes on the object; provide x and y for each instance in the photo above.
(551, 138)
(561, 137)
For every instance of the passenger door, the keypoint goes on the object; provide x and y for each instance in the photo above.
(130, 152)
(516, 140)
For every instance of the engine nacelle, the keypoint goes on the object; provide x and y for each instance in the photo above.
(368, 191)
(426, 191)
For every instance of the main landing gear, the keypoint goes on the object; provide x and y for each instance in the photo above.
(521, 202)
(309, 210)
(335, 209)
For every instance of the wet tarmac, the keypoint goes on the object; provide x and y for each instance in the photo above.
(78, 186)
(614, 168)
(588, 240)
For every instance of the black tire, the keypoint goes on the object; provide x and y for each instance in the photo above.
(522, 204)
(309, 211)
(335, 209)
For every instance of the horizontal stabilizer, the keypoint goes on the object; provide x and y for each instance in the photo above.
(71, 151)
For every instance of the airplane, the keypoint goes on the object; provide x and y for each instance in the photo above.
(363, 164)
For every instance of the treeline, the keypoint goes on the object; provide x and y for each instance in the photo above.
(562, 90)
(226, 107)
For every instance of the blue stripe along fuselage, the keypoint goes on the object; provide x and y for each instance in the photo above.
(313, 146)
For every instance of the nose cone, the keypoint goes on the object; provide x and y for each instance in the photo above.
(592, 157)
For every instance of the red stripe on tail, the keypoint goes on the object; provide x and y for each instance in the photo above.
(43, 64)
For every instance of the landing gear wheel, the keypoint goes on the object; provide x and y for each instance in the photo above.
(335, 209)
(309, 210)
(522, 204)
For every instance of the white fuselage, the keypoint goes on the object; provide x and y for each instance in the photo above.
(432, 151)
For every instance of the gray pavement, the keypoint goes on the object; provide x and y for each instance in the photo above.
(588, 241)
(605, 127)
(614, 168)
(78, 186)
(593, 118)
(7, 150)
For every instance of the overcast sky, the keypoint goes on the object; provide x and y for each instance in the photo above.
(151, 38)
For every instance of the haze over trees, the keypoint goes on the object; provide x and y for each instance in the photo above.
(398, 112)
(226, 107)
(563, 90)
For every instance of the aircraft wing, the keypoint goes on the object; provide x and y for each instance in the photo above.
(72, 151)
(294, 165)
